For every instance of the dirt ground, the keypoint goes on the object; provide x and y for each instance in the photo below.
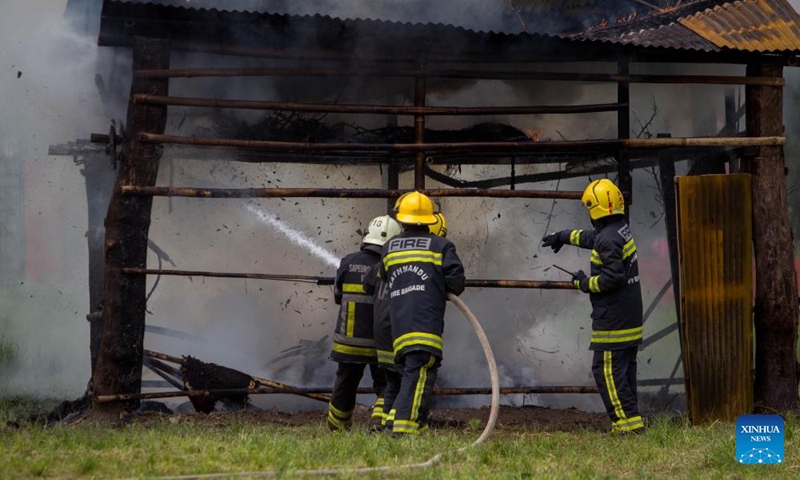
(530, 418)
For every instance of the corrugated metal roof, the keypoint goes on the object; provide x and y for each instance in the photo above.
(701, 25)
(170, 12)
(709, 25)
(329, 37)
(491, 16)
(673, 35)
(751, 25)
(653, 28)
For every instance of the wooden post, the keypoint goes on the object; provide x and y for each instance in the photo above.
(731, 125)
(419, 133)
(776, 305)
(99, 174)
(624, 180)
(392, 170)
(666, 168)
(119, 364)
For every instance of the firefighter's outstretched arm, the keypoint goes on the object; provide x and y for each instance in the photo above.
(578, 238)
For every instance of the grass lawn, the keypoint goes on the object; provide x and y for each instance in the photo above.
(153, 445)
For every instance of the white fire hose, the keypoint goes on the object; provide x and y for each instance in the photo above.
(487, 430)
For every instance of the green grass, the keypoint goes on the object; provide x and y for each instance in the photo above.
(182, 445)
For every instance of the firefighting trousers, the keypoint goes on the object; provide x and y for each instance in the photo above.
(343, 397)
(393, 381)
(615, 375)
(412, 402)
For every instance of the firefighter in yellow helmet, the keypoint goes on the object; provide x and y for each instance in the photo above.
(420, 269)
(616, 297)
(353, 340)
(383, 331)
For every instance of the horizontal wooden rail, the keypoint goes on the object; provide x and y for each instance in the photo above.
(374, 109)
(308, 391)
(525, 390)
(474, 283)
(544, 146)
(473, 74)
(338, 192)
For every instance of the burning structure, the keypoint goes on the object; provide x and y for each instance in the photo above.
(614, 46)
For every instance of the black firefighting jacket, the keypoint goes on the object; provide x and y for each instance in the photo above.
(613, 285)
(353, 340)
(420, 269)
(382, 324)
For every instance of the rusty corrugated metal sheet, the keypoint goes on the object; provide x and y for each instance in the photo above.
(651, 28)
(709, 25)
(749, 25)
(716, 280)
(673, 35)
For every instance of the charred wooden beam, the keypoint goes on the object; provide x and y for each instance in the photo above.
(419, 133)
(474, 282)
(361, 391)
(545, 146)
(476, 74)
(169, 374)
(252, 276)
(624, 178)
(208, 374)
(376, 109)
(538, 177)
(776, 305)
(119, 363)
(543, 284)
(337, 192)
(407, 158)
(281, 387)
(164, 356)
(537, 390)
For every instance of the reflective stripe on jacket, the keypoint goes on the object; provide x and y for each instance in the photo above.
(613, 286)
(353, 340)
(420, 269)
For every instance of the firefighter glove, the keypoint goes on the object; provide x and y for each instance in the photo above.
(580, 280)
(554, 240)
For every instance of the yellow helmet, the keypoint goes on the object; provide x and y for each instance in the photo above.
(440, 227)
(602, 198)
(416, 209)
(398, 201)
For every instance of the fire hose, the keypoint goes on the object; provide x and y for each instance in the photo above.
(487, 430)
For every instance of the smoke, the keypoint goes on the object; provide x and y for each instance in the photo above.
(47, 77)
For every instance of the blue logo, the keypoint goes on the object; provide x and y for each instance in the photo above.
(759, 439)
